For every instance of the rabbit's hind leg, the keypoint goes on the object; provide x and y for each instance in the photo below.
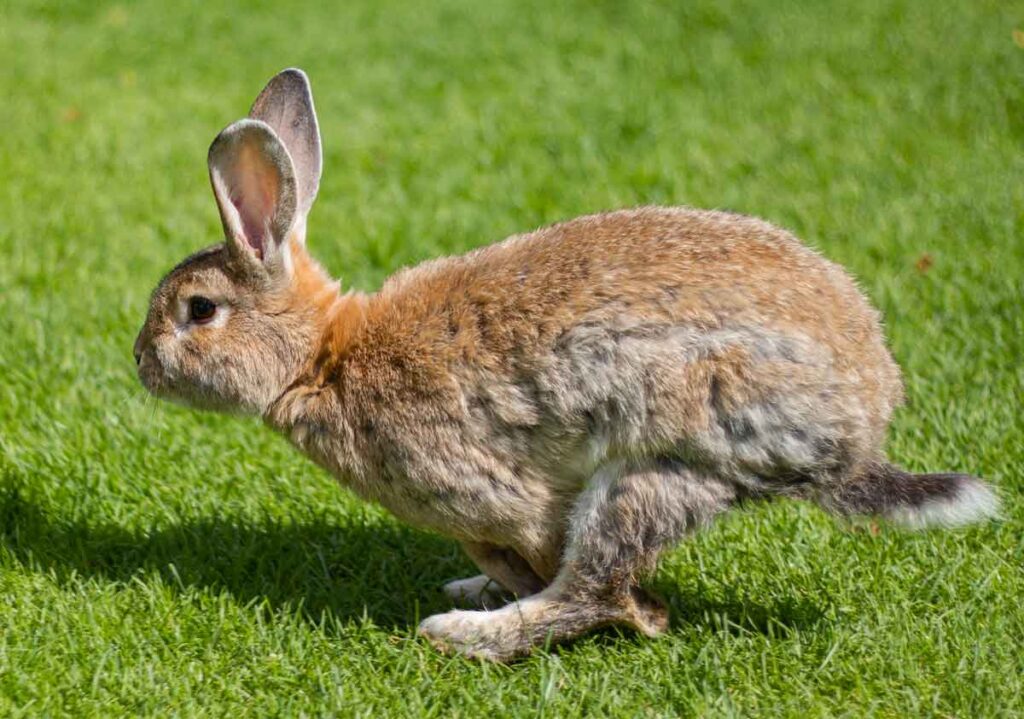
(626, 515)
(506, 576)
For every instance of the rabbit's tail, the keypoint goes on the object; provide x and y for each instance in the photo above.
(913, 501)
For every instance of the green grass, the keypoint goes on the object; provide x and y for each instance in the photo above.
(163, 562)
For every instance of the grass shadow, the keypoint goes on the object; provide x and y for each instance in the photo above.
(737, 614)
(388, 573)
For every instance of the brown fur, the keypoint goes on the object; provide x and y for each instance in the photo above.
(566, 403)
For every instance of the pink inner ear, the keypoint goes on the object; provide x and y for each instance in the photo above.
(253, 234)
(253, 190)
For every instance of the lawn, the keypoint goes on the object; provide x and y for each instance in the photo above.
(159, 561)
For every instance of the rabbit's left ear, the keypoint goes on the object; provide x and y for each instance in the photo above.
(254, 185)
(286, 104)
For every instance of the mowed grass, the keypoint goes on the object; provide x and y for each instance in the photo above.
(163, 562)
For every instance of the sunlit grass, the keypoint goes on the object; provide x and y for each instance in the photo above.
(164, 562)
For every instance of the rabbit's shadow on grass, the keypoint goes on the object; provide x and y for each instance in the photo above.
(384, 572)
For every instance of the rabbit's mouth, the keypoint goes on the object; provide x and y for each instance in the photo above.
(153, 378)
(182, 394)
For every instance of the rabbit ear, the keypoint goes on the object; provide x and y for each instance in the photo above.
(254, 184)
(286, 104)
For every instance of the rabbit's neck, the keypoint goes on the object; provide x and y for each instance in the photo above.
(331, 323)
(308, 411)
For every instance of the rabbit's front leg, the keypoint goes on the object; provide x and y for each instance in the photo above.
(626, 515)
(506, 576)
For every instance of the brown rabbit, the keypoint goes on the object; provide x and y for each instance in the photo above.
(566, 403)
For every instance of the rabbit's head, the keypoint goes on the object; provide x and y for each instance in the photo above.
(231, 326)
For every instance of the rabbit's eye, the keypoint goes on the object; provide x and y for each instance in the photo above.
(201, 309)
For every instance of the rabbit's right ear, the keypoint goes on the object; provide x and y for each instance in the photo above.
(286, 104)
(254, 184)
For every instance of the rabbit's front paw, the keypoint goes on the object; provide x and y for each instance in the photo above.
(480, 591)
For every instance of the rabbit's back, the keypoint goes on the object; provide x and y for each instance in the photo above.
(673, 265)
(506, 307)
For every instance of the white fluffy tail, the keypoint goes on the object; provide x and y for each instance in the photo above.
(916, 501)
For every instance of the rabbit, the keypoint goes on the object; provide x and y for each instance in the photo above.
(566, 403)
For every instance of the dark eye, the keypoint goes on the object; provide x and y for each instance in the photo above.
(201, 309)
